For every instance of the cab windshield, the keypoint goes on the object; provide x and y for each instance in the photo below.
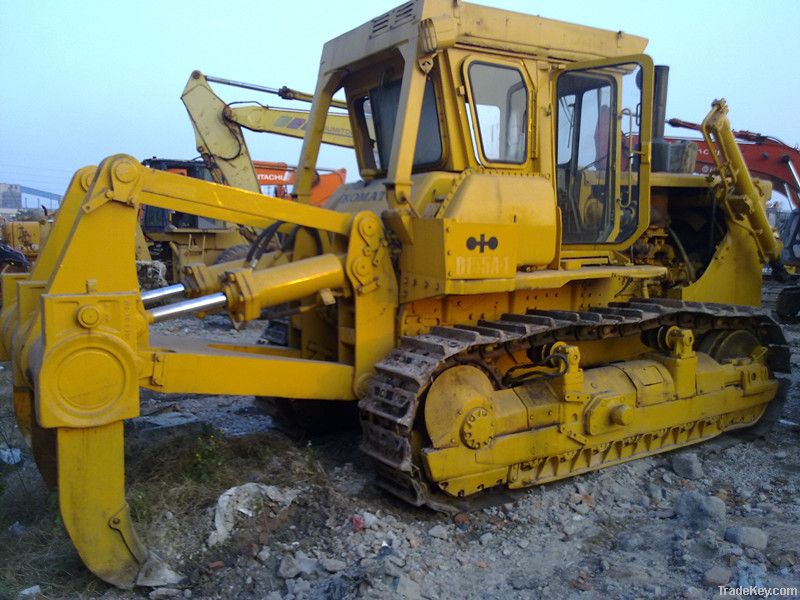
(376, 113)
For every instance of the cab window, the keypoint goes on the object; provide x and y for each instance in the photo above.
(500, 104)
(597, 149)
(377, 112)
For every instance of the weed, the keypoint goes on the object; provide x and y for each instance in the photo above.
(208, 459)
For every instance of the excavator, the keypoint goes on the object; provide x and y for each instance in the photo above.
(515, 291)
(220, 140)
(173, 241)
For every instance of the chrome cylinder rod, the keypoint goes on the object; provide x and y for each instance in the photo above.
(187, 307)
(152, 296)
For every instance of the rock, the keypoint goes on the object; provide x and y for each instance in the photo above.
(16, 529)
(357, 523)
(523, 543)
(692, 593)
(165, 592)
(244, 499)
(156, 573)
(687, 465)
(717, 576)
(750, 537)
(461, 520)
(31, 593)
(370, 520)
(569, 529)
(10, 456)
(298, 586)
(749, 574)
(162, 429)
(438, 531)
(264, 554)
(288, 568)
(700, 511)
(582, 509)
(307, 565)
(187, 593)
(486, 538)
(405, 587)
(331, 565)
(274, 596)
(629, 542)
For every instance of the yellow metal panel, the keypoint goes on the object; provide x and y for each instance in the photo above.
(733, 276)
(480, 250)
(176, 368)
(529, 203)
(194, 196)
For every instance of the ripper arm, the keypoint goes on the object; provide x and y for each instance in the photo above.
(81, 332)
(737, 191)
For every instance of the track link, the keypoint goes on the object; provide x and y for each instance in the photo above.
(390, 408)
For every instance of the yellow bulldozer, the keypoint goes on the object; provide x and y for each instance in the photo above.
(518, 289)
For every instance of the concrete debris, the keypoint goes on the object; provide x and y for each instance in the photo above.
(288, 568)
(31, 593)
(331, 565)
(438, 531)
(245, 499)
(717, 576)
(749, 537)
(700, 511)
(687, 465)
(156, 573)
(165, 592)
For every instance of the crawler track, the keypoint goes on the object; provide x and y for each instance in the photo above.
(389, 411)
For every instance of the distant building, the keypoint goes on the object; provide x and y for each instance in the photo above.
(10, 195)
(15, 197)
(33, 198)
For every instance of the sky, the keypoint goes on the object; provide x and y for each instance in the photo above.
(85, 79)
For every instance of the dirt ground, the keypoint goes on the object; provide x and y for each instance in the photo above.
(309, 523)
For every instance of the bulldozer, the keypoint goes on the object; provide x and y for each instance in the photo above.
(514, 293)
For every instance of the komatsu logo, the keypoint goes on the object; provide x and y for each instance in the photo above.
(482, 243)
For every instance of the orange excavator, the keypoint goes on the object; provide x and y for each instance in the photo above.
(277, 179)
(177, 239)
(767, 158)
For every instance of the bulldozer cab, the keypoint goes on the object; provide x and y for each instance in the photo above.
(450, 125)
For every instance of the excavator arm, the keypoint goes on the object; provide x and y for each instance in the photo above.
(218, 127)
